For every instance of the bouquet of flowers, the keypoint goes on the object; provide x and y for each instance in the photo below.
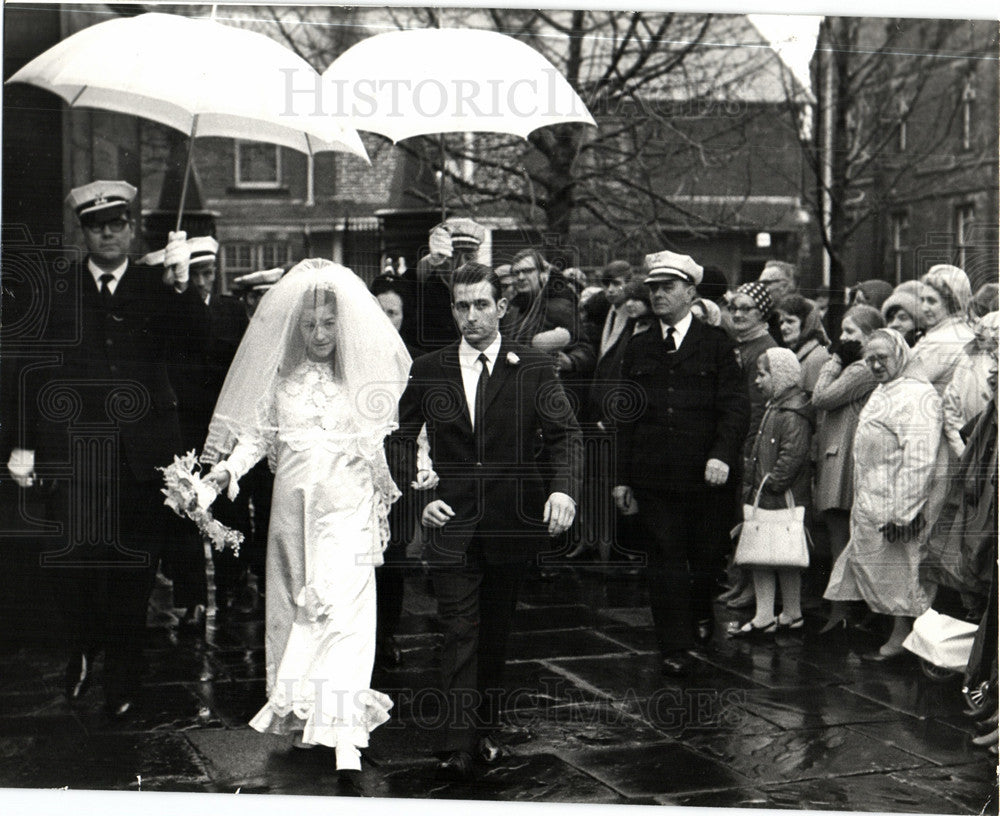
(187, 495)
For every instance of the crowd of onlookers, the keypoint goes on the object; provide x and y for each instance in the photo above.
(883, 427)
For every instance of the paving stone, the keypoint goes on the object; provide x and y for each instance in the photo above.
(238, 664)
(542, 618)
(768, 664)
(157, 708)
(534, 778)
(813, 707)
(914, 694)
(558, 728)
(652, 770)
(234, 703)
(876, 793)
(930, 739)
(179, 665)
(552, 645)
(972, 788)
(104, 761)
(787, 756)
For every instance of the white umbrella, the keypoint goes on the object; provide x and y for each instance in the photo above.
(198, 76)
(442, 80)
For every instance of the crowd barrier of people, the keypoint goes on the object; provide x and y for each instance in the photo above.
(489, 420)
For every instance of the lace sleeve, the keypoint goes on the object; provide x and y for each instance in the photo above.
(250, 448)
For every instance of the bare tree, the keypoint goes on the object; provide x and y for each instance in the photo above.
(675, 95)
(888, 95)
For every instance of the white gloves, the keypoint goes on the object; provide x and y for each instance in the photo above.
(176, 258)
(22, 466)
(439, 245)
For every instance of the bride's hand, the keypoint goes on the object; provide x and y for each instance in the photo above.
(218, 478)
(426, 480)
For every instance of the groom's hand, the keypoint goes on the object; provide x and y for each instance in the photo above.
(437, 514)
(560, 510)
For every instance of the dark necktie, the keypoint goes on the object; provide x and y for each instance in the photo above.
(484, 378)
(668, 341)
(106, 279)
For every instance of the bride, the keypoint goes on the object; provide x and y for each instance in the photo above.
(314, 386)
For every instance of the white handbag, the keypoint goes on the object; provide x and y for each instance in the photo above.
(772, 538)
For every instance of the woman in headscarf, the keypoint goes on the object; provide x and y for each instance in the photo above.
(944, 301)
(901, 311)
(314, 386)
(895, 448)
(749, 309)
(969, 390)
(872, 292)
(841, 391)
(802, 331)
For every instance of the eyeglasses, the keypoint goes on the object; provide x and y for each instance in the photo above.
(115, 226)
(741, 309)
(523, 273)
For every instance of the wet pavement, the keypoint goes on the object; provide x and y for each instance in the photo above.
(793, 722)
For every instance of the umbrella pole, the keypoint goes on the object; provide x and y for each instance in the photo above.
(187, 172)
(441, 179)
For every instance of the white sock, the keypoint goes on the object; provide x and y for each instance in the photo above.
(348, 757)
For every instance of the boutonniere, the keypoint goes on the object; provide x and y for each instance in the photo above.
(512, 358)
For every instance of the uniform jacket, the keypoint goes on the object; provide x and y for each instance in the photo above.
(781, 452)
(112, 375)
(198, 374)
(531, 447)
(688, 406)
(427, 320)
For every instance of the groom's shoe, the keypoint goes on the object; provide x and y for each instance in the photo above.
(456, 767)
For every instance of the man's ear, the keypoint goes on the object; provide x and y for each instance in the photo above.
(502, 307)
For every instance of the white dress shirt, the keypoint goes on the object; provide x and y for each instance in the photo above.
(117, 273)
(468, 361)
(614, 324)
(680, 329)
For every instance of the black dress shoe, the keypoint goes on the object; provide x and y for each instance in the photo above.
(703, 631)
(676, 665)
(193, 622)
(387, 653)
(456, 767)
(349, 783)
(488, 750)
(878, 657)
(118, 707)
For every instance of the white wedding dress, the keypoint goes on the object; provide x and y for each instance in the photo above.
(332, 492)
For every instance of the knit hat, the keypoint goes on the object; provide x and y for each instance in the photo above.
(875, 291)
(786, 371)
(906, 296)
(758, 293)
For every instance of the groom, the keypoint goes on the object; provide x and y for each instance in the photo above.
(506, 447)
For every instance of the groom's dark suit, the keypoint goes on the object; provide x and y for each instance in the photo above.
(497, 483)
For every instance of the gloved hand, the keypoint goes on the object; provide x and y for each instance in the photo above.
(22, 466)
(901, 533)
(849, 351)
(439, 245)
(176, 258)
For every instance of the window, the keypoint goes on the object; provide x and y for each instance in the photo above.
(258, 165)
(968, 98)
(964, 217)
(898, 226)
(237, 258)
(903, 110)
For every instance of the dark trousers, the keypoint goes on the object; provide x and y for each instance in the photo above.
(476, 602)
(682, 538)
(102, 572)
